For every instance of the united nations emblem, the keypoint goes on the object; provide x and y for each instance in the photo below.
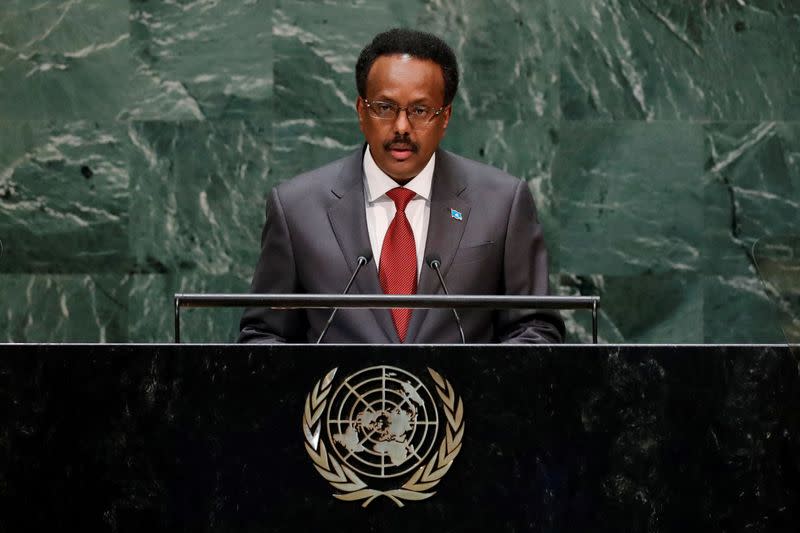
(383, 423)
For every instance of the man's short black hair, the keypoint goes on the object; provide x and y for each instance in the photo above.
(416, 44)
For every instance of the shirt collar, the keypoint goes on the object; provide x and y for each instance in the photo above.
(378, 183)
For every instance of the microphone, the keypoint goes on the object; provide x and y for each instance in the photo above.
(362, 260)
(434, 263)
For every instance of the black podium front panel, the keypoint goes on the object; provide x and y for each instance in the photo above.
(566, 438)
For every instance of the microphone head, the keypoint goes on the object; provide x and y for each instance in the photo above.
(433, 261)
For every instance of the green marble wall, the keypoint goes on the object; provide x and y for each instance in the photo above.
(138, 141)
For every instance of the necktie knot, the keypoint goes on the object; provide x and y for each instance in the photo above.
(401, 196)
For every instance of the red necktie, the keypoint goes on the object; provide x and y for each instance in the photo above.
(398, 268)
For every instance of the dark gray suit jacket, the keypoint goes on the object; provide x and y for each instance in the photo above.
(316, 228)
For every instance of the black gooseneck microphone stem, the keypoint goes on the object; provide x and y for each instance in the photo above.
(435, 266)
(361, 262)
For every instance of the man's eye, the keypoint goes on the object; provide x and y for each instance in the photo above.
(384, 108)
(419, 111)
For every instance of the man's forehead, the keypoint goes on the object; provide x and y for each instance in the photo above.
(405, 72)
(406, 59)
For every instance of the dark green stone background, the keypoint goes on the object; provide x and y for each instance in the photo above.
(138, 141)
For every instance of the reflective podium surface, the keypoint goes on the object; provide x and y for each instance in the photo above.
(394, 438)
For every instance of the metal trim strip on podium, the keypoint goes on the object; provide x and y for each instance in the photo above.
(384, 301)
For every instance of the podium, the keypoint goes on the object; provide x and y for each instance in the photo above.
(552, 438)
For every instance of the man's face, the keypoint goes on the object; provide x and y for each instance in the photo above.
(399, 148)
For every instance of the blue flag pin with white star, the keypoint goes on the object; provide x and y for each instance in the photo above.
(456, 214)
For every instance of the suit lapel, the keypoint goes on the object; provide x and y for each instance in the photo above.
(444, 232)
(348, 219)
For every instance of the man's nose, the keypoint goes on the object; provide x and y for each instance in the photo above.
(401, 123)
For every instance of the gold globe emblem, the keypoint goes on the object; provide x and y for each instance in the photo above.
(382, 423)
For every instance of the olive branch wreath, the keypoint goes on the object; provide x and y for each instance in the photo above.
(344, 479)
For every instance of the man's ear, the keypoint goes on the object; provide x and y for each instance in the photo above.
(446, 113)
(361, 111)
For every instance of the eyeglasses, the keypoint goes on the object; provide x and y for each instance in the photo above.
(418, 115)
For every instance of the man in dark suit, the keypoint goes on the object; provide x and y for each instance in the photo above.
(399, 200)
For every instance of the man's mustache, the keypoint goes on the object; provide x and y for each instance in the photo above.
(401, 143)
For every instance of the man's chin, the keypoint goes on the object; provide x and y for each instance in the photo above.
(403, 170)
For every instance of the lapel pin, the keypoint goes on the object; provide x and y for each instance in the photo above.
(456, 214)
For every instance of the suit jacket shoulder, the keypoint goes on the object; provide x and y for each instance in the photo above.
(475, 176)
(311, 187)
(482, 186)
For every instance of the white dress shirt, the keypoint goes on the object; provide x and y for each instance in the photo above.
(381, 209)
